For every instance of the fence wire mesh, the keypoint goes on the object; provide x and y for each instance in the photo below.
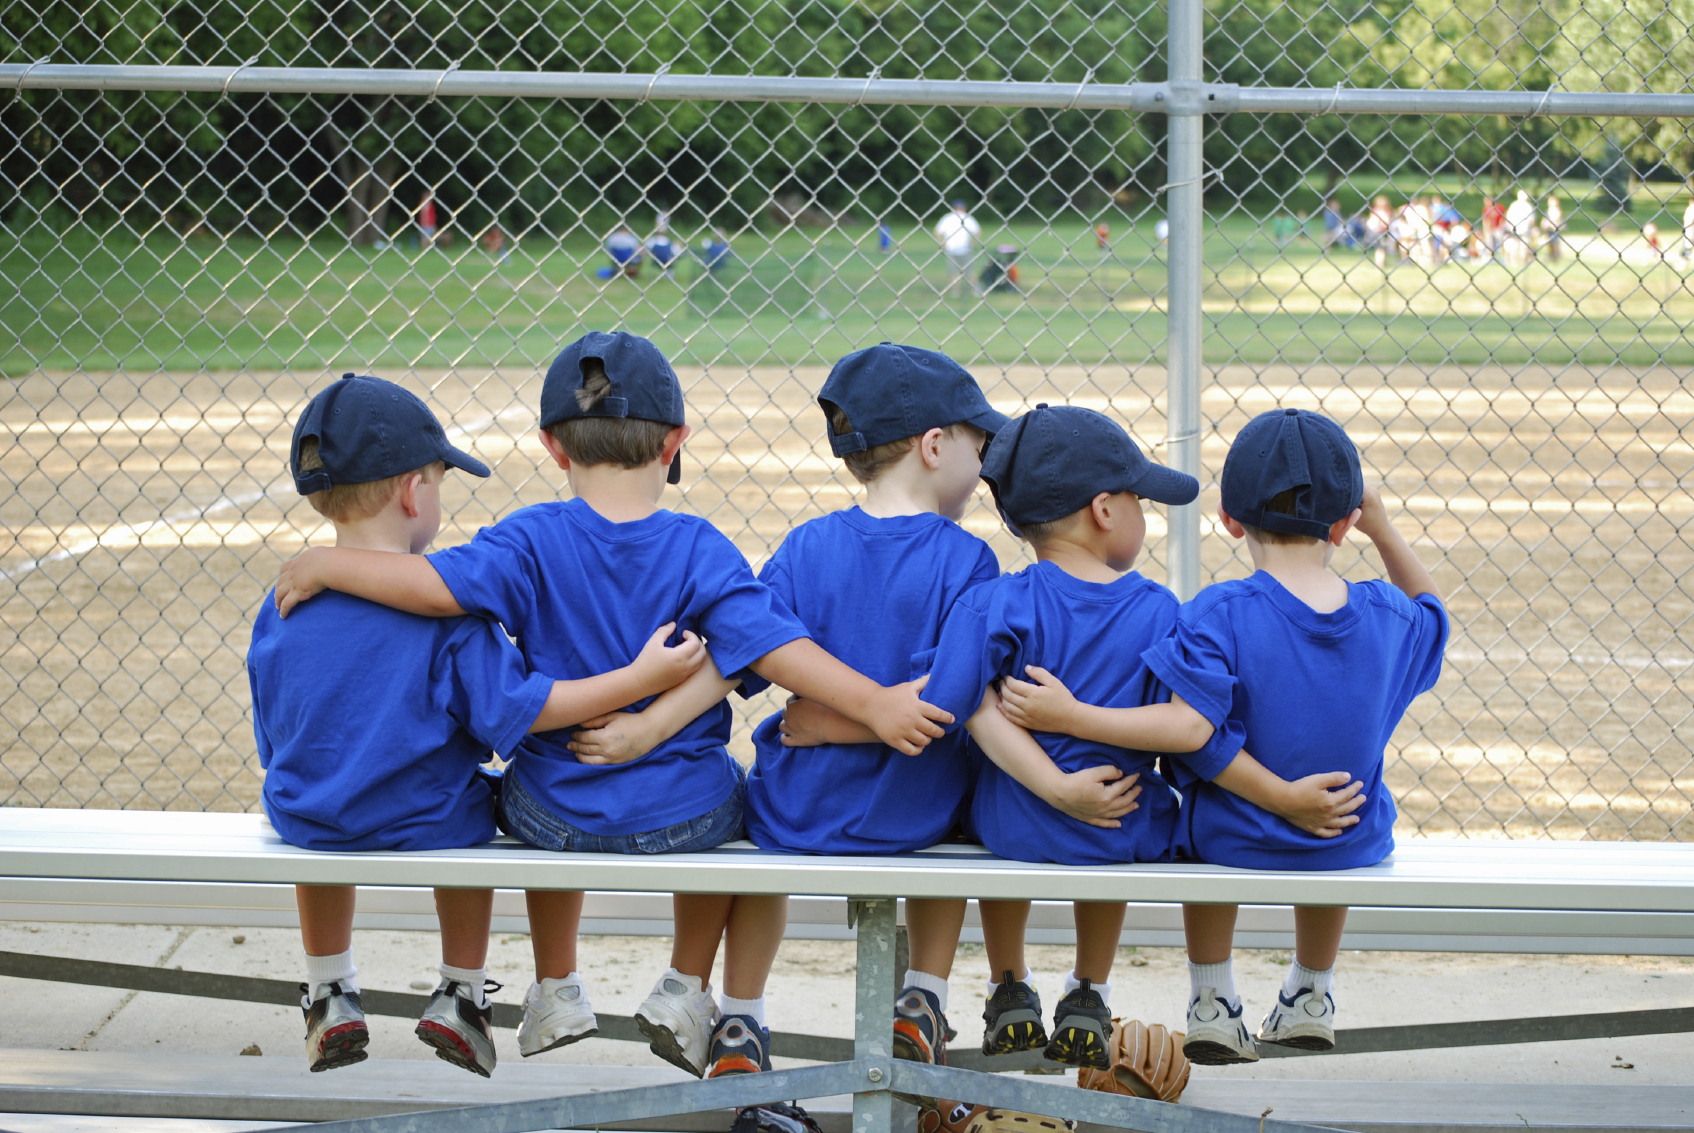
(182, 270)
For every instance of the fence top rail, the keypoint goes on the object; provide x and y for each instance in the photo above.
(1174, 98)
(243, 848)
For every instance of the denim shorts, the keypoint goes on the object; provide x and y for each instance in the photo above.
(524, 818)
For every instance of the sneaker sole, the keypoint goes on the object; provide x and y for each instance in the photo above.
(1078, 1046)
(908, 1049)
(449, 1047)
(661, 1040)
(1303, 1042)
(1014, 1038)
(565, 1040)
(343, 1046)
(1206, 1053)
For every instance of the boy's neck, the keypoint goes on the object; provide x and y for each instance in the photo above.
(381, 532)
(621, 495)
(1077, 557)
(900, 491)
(1303, 570)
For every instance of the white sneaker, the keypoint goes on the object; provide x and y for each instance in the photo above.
(1216, 1035)
(555, 1013)
(678, 1020)
(1306, 1022)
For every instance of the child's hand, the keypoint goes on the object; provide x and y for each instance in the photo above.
(617, 737)
(1098, 796)
(298, 581)
(804, 721)
(659, 666)
(1373, 514)
(1044, 706)
(904, 722)
(1323, 804)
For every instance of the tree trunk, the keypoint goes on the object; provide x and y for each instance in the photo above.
(369, 188)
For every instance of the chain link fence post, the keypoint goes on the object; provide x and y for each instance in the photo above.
(1185, 202)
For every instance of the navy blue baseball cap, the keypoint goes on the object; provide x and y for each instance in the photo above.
(1292, 448)
(643, 384)
(1053, 461)
(368, 429)
(892, 392)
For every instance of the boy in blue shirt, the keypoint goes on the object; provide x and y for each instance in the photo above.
(1071, 482)
(1317, 672)
(578, 584)
(371, 723)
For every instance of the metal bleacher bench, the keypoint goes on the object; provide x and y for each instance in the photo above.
(1604, 890)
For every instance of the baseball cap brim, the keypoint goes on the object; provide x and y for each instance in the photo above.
(990, 421)
(464, 462)
(1166, 486)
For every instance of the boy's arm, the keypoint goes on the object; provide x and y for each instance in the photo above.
(1046, 705)
(1098, 796)
(1318, 804)
(389, 578)
(896, 715)
(656, 668)
(806, 723)
(620, 737)
(1405, 569)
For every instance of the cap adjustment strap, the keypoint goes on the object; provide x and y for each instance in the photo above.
(841, 444)
(609, 407)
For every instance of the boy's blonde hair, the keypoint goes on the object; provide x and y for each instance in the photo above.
(349, 503)
(628, 442)
(1033, 533)
(869, 464)
(1282, 504)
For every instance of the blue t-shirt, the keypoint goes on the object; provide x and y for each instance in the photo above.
(1091, 636)
(1314, 693)
(582, 594)
(371, 723)
(873, 592)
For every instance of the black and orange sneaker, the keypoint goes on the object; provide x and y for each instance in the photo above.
(1082, 1030)
(1012, 1018)
(920, 1033)
(739, 1046)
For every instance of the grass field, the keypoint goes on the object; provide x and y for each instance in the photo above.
(804, 297)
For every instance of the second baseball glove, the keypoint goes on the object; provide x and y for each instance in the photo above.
(1147, 1062)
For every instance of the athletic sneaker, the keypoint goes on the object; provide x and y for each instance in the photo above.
(678, 1020)
(1082, 1030)
(739, 1046)
(461, 1032)
(1307, 1021)
(920, 1034)
(1013, 1018)
(335, 1027)
(555, 1014)
(1216, 1034)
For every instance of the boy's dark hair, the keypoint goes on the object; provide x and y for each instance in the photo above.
(1283, 504)
(628, 442)
(869, 464)
(349, 503)
(1033, 533)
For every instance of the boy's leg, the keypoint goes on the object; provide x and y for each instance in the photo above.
(556, 1011)
(1216, 1034)
(1082, 1021)
(335, 1020)
(1304, 1014)
(920, 1011)
(678, 1017)
(459, 1021)
(1012, 1013)
(740, 1040)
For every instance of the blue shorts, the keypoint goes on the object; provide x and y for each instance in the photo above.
(521, 816)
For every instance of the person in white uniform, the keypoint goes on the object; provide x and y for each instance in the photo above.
(958, 232)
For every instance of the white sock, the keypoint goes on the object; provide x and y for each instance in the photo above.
(473, 978)
(929, 982)
(1300, 978)
(994, 984)
(1072, 984)
(753, 1007)
(1219, 977)
(322, 971)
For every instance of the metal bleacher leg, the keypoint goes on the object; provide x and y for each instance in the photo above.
(873, 1036)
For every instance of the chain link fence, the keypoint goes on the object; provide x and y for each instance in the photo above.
(1186, 217)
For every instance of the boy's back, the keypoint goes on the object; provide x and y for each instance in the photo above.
(581, 594)
(873, 591)
(1315, 693)
(1090, 635)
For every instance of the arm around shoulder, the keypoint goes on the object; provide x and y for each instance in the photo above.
(389, 578)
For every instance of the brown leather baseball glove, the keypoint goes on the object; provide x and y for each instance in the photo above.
(963, 1117)
(1147, 1062)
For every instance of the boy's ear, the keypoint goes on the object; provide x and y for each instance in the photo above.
(673, 442)
(408, 494)
(1338, 530)
(929, 449)
(1236, 531)
(1100, 511)
(555, 450)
